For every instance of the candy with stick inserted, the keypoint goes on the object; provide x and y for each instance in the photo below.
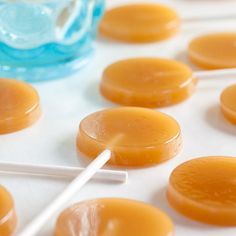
(147, 82)
(135, 136)
(147, 22)
(153, 82)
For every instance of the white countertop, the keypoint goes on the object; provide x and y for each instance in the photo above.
(65, 102)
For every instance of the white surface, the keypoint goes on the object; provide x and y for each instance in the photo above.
(66, 102)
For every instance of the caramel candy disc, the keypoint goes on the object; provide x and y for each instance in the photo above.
(140, 23)
(228, 103)
(204, 189)
(113, 217)
(7, 213)
(214, 51)
(136, 136)
(19, 105)
(147, 82)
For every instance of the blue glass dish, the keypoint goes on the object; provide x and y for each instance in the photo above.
(46, 39)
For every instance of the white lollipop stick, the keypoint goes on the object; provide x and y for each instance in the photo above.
(193, 19)
(210, 74)
(60, 171)
(35, 226)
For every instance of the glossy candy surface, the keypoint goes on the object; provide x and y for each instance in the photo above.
(204, 189)
(113, 217)
(136, 136)
(140, 23)
(147, 82)
(19, 105)
(7, 213)
(213, 51)
(228, 103)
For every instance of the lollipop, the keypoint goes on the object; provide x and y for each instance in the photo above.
(136, 136)
(204, 189)
(19, 105)
(228, 103)
(7, 213)
(152, 82)
(118, 217)
(139, 23)
(147, 82)
(213, 51)
(124, 136)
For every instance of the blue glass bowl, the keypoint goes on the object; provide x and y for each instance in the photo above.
(46, 39)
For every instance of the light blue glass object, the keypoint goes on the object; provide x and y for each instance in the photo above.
(46, 39)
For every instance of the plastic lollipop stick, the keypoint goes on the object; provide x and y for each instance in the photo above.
(60, 171)
(208, 74)
(193, 19)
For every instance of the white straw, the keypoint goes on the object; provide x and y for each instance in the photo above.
(59, 171)
(211, 74)
(35, 226)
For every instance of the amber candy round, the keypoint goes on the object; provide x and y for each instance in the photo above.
(19, 105)
(228, 103)
(204, 189)
(7, 213)
(140, 23)
(136, 136)
(113, 217)
(214, 51)
(147, 82)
